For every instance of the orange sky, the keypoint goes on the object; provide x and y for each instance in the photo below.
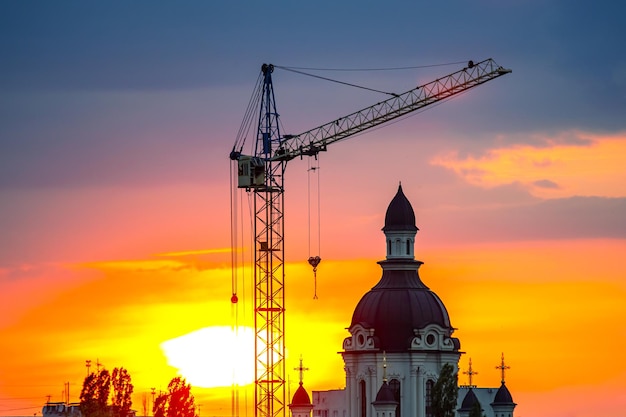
(554, 306)
(518, 298)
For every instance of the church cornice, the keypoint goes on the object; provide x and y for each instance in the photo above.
(435, 338)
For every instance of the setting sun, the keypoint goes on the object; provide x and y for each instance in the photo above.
(216, 356)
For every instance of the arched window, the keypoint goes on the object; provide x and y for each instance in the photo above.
(408, 246)
(363, 411)
(394, 384)
(388, 247)
(429, 398)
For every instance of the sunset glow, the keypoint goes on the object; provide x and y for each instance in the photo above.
(215, 356)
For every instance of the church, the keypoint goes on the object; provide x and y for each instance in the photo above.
(400, 338)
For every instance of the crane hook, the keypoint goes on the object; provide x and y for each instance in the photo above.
(314, 261)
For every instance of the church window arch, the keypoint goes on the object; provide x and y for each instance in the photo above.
(394, 384)
(429, 397)
(388, 246)
(363, 402)
(408, 246)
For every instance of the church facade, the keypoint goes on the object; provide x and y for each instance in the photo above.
(404, 325)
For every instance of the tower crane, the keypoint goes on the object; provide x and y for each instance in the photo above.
(262, 173)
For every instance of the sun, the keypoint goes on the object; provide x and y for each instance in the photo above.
(217, 356)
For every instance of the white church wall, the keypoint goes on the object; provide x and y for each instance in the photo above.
(331, 403)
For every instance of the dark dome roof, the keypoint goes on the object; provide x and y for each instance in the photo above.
(400, 214)
(503, 396)
(397, 305)
(385, 395)
(469, 401)
(400, 303)
(301, 397)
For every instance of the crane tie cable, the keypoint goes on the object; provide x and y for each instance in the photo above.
(372, 69)
(336, 81)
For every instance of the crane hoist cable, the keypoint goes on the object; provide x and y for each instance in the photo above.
(314, 261)
(249, 115)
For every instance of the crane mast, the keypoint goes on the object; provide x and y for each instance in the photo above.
(263, 174)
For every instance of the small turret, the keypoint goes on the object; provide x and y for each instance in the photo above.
(469, 403)
(400, 227)
(503, 404)
(301, 405)
(385, 403)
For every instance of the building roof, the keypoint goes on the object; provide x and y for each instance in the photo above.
(400, 214)
(301, 397)
(503, 396)
(396, 306)
(385, 395)
(469, 400)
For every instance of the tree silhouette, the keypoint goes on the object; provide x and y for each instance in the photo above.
(122, 391)
(94, 395)
(445, 393)
(476, 411)
(177, 402)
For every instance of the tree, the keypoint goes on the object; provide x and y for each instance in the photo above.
(177, 402)
(476, 411)
(122, 391)
(445, 393)
(94, 396)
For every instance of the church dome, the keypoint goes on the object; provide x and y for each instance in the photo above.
(400, 214)
(385, 395)
(400, 303)
(503, 396)
(301, 397)
(469, 401)
(396, 306)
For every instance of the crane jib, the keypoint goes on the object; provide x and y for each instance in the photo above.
(313, 141)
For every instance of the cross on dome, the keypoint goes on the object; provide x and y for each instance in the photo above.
(301, 370)
(470, 372)
(502, 367)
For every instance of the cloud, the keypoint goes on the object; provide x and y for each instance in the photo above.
(560, 218)
(196, 252)
(555, 166)
(137, 265)
(546, 184)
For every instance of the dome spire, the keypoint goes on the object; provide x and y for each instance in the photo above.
(400, 227)
(384, 366)
(400, 214)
